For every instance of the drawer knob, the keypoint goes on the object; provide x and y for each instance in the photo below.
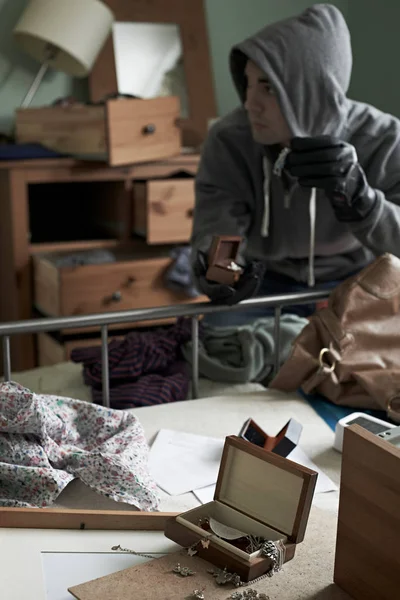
(116, 297)
(189, 213)
(149, 129)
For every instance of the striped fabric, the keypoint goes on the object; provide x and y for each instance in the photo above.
(146, 368)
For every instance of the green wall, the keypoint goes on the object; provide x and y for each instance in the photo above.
(229, 21)
(227, 26)
(375, 37)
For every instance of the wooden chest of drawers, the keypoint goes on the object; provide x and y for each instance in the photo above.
(40, 201)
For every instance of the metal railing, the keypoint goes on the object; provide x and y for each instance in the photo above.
(104, 320)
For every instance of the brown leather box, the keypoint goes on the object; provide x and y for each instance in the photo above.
(224, 251)
(283, 443)
(258, 493)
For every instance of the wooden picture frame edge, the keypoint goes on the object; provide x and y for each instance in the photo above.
(55, 518)
(196, 57)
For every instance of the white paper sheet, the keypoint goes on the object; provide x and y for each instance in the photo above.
(182, 462)
(63, 570)
(324, 483)
(205, 494)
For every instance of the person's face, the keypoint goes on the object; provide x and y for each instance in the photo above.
(267, 122)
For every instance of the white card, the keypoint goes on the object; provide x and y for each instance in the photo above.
(182, 462)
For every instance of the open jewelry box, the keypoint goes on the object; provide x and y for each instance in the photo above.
(222, 256)
(258, 493)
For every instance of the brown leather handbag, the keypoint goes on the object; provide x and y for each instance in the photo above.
(350, 351)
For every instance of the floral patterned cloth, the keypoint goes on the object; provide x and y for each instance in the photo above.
(47, 441)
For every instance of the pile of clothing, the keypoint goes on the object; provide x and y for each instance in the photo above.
(145, 368)
(245, 353)
(153, 367)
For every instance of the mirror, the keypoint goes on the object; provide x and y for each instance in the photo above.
(149, 61)
(196, 86)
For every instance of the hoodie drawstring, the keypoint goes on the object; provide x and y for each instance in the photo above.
(313, 216)
(277, 170)
(267, 178)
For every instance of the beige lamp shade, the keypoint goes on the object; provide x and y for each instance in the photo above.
(75, 29)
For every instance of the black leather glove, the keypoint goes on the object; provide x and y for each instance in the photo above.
(329, 164)
(219, 293)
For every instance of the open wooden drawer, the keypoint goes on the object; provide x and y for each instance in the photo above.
(120, 132)
(94, 288)
(163, 210)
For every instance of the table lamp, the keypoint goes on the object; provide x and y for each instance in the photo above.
(66, 35)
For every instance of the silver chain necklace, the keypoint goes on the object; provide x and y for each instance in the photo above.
(275, 551)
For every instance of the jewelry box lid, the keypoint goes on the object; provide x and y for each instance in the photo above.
(224, 247)
(265, 486)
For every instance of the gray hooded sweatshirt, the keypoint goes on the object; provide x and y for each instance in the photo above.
(240, 189)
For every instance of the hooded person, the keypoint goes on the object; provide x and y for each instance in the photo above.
(309, 178)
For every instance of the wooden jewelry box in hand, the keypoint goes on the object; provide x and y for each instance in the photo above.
(222, 256)
(258, 493)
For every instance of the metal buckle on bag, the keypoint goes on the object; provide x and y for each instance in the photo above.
(393, 409)
(325, 366)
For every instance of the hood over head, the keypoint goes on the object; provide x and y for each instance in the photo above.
(308, 60)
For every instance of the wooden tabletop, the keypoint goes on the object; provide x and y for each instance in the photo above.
(40, 163)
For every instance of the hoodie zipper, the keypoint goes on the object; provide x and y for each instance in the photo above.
(277, 170)
(289, 194)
